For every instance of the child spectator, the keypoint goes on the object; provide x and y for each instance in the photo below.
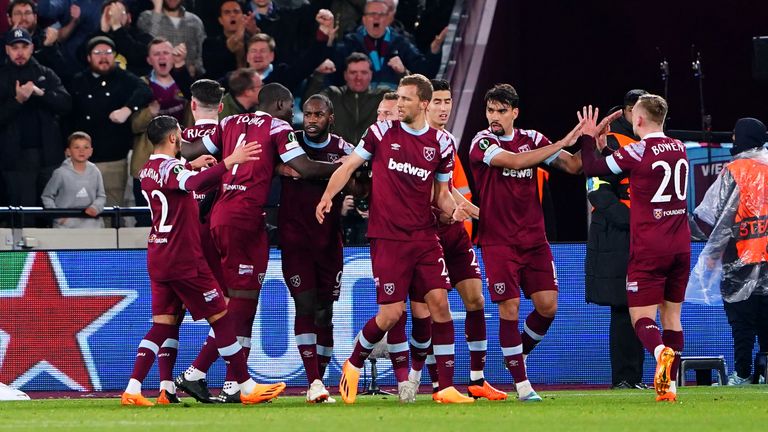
(77, 184)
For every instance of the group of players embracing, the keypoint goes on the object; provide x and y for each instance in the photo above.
(213, 261)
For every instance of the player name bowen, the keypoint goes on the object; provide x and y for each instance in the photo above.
(406, 167)
(667, 146)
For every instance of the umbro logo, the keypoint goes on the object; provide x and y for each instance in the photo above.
(395, 146)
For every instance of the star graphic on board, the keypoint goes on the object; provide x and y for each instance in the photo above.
(45, 325)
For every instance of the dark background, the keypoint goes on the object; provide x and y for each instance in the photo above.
(561, 55)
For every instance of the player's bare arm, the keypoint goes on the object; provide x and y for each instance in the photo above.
(246, 153)
(311, 169)
(566, 161)
(203, 161)
(445, 202)
(518, 161)
(593, 163)
(191, 150)
(336, 183)
(473, 210)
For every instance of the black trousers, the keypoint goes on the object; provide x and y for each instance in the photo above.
(748, 319)
(627, 353)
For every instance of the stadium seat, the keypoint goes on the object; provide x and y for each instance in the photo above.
(761, 367)
(703, 366)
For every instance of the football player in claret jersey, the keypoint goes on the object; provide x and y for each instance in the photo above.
(463, 272)
(312, 255)
(238, 214)
(178, 273)
(410, 160)
(511, 234)
(659, 244)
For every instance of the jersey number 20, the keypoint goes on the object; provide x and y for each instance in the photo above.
(681, 181)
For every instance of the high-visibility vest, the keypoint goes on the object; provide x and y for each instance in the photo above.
(461, 184)
(623, 141)
(751, 221)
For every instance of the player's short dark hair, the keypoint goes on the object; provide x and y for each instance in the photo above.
(655, 106)
(78, 135)
(440, 85)
(15, 3)
(221, 4)
(273, 93)
(630, 99)
(423, 86)
(357, 57)
(322, 98)
(160, 127)
(241, 80)
(504, 94)
(207, 92)
(390, 96)
(261, 37)
(157, 40)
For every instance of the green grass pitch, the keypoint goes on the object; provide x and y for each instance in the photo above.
(699, 409)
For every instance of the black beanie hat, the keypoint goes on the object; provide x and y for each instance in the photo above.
(749, 133)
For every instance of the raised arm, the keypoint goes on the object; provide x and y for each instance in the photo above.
(337, 182)
(593, 163)
(312, 169)
(517, 161)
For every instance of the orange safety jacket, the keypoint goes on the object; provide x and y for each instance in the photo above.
(461, 184)
(624, 182)
(751, 217)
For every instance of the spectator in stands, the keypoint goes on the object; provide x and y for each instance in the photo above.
(31, 100)
(355, 102)
(348, 13)
(104, 97)
(170, 83)
(77, 184)
(244, 85)
(23, 14)
(293, 29)
(260, 55)
(608, 254)
(78, 21)
(131, 43)
(170, 20)
(225, 52)
(392, 54)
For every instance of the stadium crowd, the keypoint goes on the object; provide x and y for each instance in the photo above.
(105, 68)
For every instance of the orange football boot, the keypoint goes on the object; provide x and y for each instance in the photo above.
(350, 376)
(450, 395)
(486, 391)
(662, 378)
(137, 399)
(262, 393)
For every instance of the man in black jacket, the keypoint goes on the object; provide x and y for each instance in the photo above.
(48, 51)
(131, 43)
(608, 254)
(31, 100)
(103, 97)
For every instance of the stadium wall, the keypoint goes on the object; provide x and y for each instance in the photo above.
(71, 320)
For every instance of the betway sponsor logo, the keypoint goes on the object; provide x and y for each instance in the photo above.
(526, 173)
(407, 168)
(237, 187)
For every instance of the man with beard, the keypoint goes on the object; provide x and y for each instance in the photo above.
(238, 214)
(511, 231)
(411, 164)
(47, 50)
(31, 100)
(170, 20)
(464, 272)
(104, 97)
(312, 255)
